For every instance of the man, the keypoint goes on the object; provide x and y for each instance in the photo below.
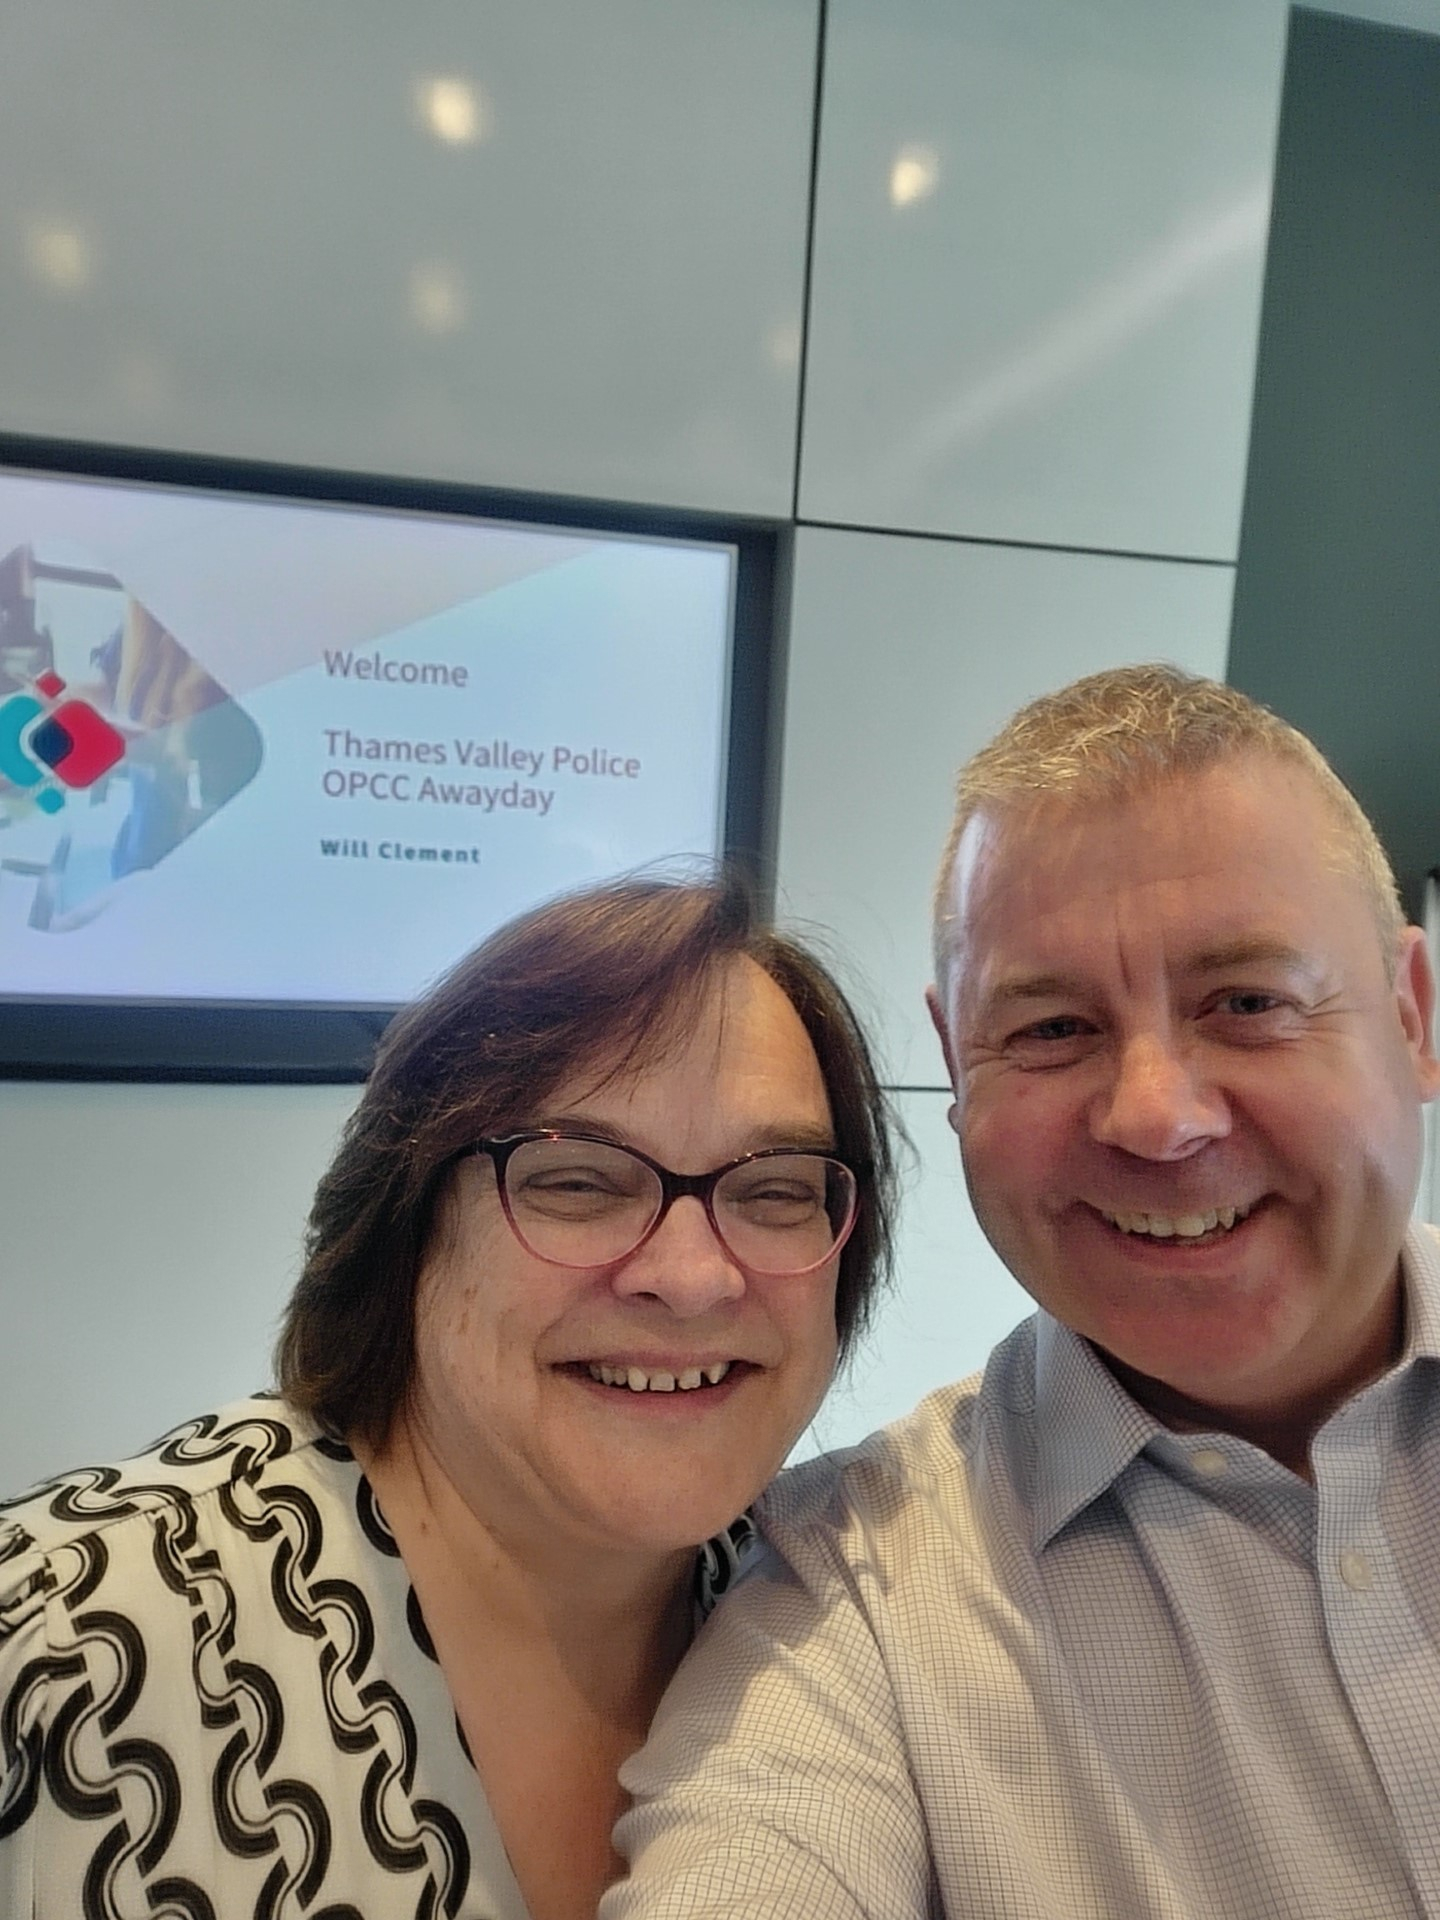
(1146, 1622)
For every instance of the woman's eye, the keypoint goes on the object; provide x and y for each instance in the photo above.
(776, 1203)
(782, 1193)
(572, 1193)
(574, 1181)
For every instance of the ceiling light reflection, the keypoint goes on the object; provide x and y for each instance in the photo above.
(782, 345)
(914, 173)
(437, 299)
(453, 110)
(142, 383)
(60, 257)
(1094, 329)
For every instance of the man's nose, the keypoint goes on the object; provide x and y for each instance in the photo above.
(684, 1263)
(1159, 1104)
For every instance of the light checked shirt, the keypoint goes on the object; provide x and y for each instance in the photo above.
(1029, 1656)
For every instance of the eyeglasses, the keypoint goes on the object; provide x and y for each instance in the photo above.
(581, 1202)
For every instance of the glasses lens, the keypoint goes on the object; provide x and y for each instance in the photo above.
(785, 1212)
(580, 1203)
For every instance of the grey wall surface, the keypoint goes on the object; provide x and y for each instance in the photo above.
(1337, 597)
(1035, 247)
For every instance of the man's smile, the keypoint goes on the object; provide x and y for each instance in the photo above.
(1192, 1225)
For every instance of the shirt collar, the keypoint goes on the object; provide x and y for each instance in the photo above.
(1088, 1429)
(1420, 1272)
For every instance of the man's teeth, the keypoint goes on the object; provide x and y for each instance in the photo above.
(658, 1379)
(1178, 1226)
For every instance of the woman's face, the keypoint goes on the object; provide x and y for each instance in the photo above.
(508, 1346)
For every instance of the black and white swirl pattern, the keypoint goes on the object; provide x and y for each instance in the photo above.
(219, 1698)
(214, 1700)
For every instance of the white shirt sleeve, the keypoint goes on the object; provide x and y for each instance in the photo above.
(775, 1782)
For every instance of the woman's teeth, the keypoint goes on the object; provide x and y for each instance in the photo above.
(1178, 1226)
(658, 1379)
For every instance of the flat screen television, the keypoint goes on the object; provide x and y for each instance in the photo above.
(278, 746)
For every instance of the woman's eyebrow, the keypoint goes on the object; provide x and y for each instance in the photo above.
(806, 1135)
(577, 1123)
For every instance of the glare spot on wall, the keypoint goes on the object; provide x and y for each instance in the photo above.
(437, 299)
(453, 110)
(142, 383)
(782, 345)
(1094, 327)
(914, 173)
(60, 257)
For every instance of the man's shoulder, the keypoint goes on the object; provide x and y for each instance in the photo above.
(879, 1474)
(933, 1467)
(1423, 1240)
(245, 1443)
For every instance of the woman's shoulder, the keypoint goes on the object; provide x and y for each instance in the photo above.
(246, 1443)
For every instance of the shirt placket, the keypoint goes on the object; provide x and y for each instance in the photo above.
(1386, 1663)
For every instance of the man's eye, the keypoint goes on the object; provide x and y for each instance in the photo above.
(1060, 1026)
(1248, 1002)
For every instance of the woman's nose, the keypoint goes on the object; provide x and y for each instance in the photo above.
(1158, 1105)
(684, 1263)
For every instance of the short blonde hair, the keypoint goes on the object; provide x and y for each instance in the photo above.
(1117, 733)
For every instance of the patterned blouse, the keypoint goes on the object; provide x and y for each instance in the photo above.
(218, 1696)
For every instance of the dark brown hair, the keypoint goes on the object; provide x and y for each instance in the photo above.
(604, 979)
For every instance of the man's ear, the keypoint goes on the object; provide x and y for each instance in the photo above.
(941, 1026)
(1415, 998)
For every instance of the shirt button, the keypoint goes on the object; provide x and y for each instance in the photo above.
(1209, 1461)
(1356, 1571)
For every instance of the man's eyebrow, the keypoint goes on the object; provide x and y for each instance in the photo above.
(1249, 950)
(1256, 950)
(1035, 986)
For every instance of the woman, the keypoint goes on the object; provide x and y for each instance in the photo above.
(378, 1646)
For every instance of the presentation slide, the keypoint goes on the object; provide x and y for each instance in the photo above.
(255, 750)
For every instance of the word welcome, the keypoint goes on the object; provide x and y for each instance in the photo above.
(404, 673)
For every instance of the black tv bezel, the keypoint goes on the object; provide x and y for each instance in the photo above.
(288, 1043)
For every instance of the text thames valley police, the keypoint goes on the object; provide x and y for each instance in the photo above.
(387, 770)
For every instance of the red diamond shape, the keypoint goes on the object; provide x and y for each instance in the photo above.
(50, 684)
(95, 744)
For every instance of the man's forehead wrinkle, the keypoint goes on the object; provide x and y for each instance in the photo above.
(1248, 950)
(1222, 956)
(1035, 986)
(1015, 871)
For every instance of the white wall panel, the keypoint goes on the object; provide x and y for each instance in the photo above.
(952, 1299)
(234, 229)
(1038, 254)
(905, 656)
(151, 1237)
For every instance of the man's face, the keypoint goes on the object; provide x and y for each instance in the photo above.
(1187, 1094)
